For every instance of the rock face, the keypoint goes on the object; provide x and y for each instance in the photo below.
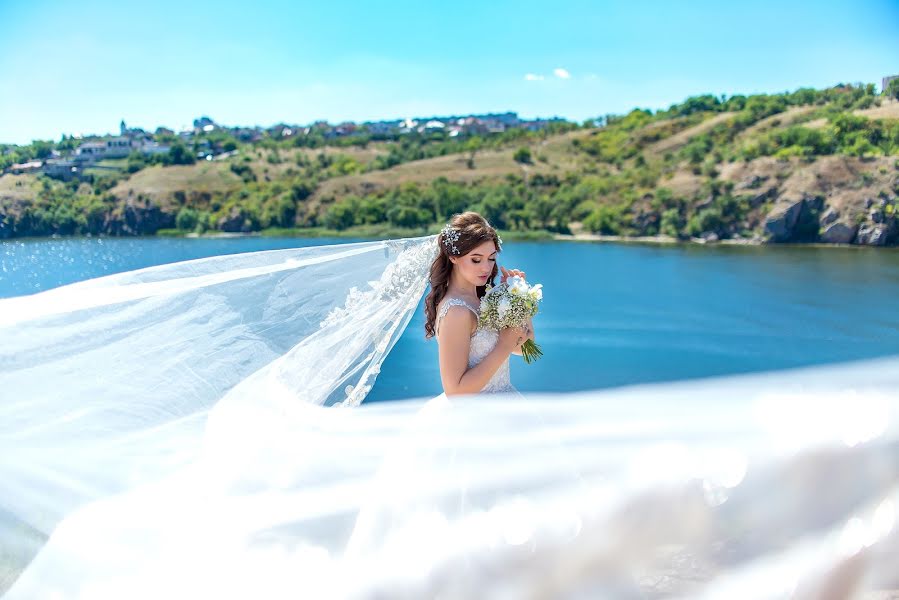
(6, 229)
(829, 216)
(138, 220)
(838, 233)
(880, 234)
(236, 221)
(795, 220)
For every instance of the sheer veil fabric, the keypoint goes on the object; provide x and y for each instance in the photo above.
(189, 431)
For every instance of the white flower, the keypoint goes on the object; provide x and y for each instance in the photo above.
(536, 292)
(503, 307)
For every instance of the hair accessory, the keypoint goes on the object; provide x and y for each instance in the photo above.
(450, 237)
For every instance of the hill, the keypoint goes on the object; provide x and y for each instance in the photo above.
(805, 166)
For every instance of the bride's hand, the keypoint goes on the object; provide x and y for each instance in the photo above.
(510, 273)
(511, 338)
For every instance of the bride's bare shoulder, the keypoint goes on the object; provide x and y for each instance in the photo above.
(455, 314)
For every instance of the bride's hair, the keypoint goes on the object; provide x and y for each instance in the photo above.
(469, 230)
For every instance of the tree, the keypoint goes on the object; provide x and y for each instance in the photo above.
(340, 216)
(892, 90)
(472, 146)
(187, 219)
(522, 156)
(180, 155)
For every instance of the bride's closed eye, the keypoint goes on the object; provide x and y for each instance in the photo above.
(478, 261)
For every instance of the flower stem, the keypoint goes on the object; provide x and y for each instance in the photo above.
(530, 351)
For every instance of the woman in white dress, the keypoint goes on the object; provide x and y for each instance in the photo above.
(472, 359)
(164, 433)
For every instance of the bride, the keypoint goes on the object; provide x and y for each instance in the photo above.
(472, 358)
(183, 431)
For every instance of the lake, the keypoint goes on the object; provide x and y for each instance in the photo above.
(613, 314)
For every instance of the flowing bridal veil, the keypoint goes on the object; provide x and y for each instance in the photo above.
(187, 431)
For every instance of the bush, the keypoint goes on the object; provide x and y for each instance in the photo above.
(671, 223)
(522, 156)
(408, 216)
(186, 219)
(340, 216)
(605, 220)
(243, 171)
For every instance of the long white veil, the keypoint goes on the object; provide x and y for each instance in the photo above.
(108, 383)
(168, 433)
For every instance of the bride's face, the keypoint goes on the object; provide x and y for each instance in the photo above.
(476, 266)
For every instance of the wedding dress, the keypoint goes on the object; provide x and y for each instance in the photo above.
(483, 341)
(193, 431)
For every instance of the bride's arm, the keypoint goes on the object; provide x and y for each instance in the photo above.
(454, 340)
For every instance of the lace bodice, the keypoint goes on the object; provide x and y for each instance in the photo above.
(483, 340)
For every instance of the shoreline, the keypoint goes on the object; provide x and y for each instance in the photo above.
(663, 240)
(510, 236)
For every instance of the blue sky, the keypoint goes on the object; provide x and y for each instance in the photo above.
(81, 66)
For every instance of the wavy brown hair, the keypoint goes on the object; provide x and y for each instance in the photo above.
(473, 230)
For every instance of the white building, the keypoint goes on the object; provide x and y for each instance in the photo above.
(117, 147)
(91, 151)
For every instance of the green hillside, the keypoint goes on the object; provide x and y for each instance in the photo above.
(806, 166)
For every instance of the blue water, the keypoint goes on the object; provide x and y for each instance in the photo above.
(613, 314)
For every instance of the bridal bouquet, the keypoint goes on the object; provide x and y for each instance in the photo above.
(511, 304)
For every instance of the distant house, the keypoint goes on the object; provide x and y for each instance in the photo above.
(204, 124)
(26, 167)
(407, 125)
(151, 148)
(345, 128)
(509, 119)
(61, 169)
(91, 151)
(382, 128)
(204, 149)
(495, 125)
(118, 147)
(164, 131)
(246, 134)
(535, 125)
(434, 125)
(131, 132)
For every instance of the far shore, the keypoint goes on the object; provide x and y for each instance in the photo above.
(540, 235)
(382, 233)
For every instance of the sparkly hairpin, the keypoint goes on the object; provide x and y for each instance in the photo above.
(450, 237)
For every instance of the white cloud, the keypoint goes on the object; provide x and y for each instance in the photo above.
(533, 77)
(562, 73)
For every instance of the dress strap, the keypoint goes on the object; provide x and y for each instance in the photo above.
(446, 306)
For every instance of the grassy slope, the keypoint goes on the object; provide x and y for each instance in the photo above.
(845, 182)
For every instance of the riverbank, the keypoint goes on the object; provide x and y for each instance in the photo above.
(382, 233)
(374, 232)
